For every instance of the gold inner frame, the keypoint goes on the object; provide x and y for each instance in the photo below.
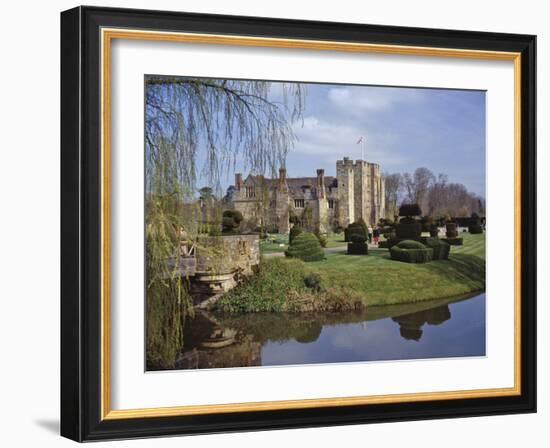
(107, 35)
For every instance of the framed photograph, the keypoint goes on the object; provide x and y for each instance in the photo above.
(276, 224)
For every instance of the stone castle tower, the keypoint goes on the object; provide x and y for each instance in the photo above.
(360, 191)
(321, 203)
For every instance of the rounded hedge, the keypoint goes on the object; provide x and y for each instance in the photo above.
(410, 244)
(305, 247)
(409, 251)
(441, 248)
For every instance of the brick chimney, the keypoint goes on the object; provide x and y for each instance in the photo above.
(320, 183)
(238, 181)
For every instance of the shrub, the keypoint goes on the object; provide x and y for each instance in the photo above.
(306, 247)
(441, 248)
(434, 231)
(358, 248)
(410, 210)
(410, 251)
(475, 224)
(267, 290)
(410, 244)
(451, 230)
(357, 232)
(454, 241)
(475, 229)
(408, 228)
(231, 220)
(313, 282)
(294, 232)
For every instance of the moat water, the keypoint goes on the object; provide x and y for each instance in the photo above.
(438, 329)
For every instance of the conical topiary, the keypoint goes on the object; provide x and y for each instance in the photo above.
(305, 247)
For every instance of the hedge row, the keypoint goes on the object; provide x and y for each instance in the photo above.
(410, 251)
(305, 247)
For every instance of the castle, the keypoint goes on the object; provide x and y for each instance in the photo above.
(321, 203)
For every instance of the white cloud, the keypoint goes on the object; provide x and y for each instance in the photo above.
(365, 99)
(333, 140)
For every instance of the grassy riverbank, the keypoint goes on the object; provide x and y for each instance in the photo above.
(344, 281)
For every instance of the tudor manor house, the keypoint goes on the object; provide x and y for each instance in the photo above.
(329, 202)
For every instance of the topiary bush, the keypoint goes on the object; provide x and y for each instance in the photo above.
(356, 228)
(358, 238)
(358, 248)
(454, 241)
(408, 228)
(451, 230)
(294, 232)
(475, 224)
(410, 210)
(305, 247)
(475, 229)
(409, 251)
(231, 220)
(441, 248)
(434, 231)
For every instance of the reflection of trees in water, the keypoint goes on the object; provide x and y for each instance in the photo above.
(410, 325)
(281, 327)
(236, 340)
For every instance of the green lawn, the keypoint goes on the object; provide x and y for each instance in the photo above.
(336, 240)
(383, 281)
(372, 279)
(273, 242)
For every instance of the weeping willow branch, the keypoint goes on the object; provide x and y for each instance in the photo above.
(230, 121)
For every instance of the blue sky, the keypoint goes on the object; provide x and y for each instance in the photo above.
(404, 128)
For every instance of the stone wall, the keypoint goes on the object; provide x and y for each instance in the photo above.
(221, 263)
(227, 253)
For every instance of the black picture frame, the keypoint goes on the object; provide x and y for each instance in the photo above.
(81, 224)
